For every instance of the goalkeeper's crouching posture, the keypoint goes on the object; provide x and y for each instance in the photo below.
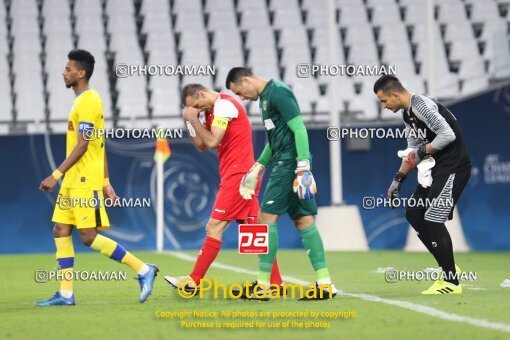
(291, 188)
(444, 167)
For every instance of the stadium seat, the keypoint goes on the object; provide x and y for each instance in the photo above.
(272, 37)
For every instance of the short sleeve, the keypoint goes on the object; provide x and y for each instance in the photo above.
(88, 110)
(225, 109)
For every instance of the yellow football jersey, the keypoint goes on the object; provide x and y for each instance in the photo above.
(86, 113)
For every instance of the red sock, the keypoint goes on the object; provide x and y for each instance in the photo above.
(206, 256)
(276, 277)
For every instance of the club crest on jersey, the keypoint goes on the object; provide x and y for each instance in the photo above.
(268, 124)
(70, 126)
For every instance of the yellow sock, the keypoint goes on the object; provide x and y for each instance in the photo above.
(115, 251)
(66, 280)
(133, 262)
(104, 245)
(65, 261)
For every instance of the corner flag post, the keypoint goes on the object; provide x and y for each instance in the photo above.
(160, 157)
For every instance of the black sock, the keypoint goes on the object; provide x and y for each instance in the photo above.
(442, 243)
(415, 218)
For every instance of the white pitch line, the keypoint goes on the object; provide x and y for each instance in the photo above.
(436, 313)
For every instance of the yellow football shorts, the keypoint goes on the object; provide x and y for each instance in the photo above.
(83, 208)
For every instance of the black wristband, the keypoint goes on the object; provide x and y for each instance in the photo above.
(422, 151)
(400, 177)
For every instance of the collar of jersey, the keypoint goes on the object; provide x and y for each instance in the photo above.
(79, 94)
(410, 99)
(266, 88)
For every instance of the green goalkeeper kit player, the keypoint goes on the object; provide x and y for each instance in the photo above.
(291, 188)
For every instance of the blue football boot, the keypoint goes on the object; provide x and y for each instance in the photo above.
(147, 282)
(57, 300)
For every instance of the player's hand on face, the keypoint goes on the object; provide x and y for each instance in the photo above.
(48, 184)
(110, 193)
(189, 113)
(394, 189)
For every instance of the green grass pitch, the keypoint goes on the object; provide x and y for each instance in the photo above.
(110, 309)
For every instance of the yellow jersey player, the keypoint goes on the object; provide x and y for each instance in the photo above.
(80, 202)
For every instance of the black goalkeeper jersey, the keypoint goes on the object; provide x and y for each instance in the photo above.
(441, 130)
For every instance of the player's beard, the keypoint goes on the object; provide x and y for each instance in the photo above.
(69, 85)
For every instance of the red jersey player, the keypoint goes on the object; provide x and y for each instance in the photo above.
(227, 129)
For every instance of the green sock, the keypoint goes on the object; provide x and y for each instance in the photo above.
(322, 274)
(264, 277)
(266, 260)
(312, 242)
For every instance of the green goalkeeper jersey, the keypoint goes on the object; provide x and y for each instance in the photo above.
(278, 106)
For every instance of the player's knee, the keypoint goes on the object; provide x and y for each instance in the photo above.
(87, 238)
(413, 216)
(267, 218)
(303, 222)
(61, 231)
(213, 229)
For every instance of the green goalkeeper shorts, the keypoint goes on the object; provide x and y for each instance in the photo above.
(279, 197)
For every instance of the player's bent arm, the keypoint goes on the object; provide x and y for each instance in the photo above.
(198, 142)
(199, 145)
(405, 168)
(75, 155)
(427, 111)
(212, 138)
(190, 113)
(49, 182)
(413, 143)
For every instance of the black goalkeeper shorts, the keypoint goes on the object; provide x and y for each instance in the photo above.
(438, 201)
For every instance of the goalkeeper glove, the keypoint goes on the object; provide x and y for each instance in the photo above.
(304, 184)
(394, 189)
(416, 156)
(250, 181)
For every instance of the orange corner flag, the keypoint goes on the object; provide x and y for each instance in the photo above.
(162, 150)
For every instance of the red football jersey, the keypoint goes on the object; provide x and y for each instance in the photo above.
(235, 152)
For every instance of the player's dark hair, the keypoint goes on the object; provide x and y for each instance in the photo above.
(84, 59)
(388, 84)
(235, 74)
(191, 90)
